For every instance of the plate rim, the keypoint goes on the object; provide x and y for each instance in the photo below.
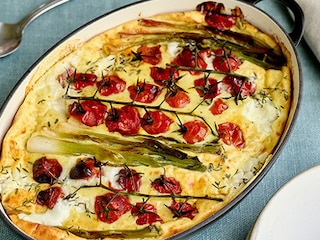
(278, 195)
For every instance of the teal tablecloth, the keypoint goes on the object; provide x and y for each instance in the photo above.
(300, 153)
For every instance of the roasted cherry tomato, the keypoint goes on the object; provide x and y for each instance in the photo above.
(85, 169)
(165, 184)
(210, 6)
(129, 180)
(144, 92)
(163, 76)
(146, 213)
(218, 107)
(178, 99)
(224, 61)
(46, 170)
(194, 131)
(89, 112)
(186, 58)
(219, 21)
(238, 87)
(151, 55)
(110, 207)
(77, 81)
(111, 85)
(231, 134)
(155, 122)
(49, 197)
(207, 88)
(202, 57)
(125, 120)
(183, 209)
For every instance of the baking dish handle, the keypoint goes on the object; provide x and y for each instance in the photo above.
(298, 28)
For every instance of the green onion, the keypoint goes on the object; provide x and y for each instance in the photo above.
(147, 232)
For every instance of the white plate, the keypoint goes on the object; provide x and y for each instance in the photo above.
(293, 212)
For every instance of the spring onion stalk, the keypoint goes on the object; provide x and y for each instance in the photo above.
(244, 46)
(172, 145)
(147, 232)
(131, 155)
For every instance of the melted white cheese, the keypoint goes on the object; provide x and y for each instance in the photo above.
(53, 217)
(263, 115)
(110, 175)
(173, 49)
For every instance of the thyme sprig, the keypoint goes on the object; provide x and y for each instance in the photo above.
(142, 195)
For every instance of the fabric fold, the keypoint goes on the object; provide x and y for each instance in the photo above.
(311, 9)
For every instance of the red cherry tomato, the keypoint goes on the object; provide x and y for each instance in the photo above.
(165, 184)
(151, 55)
(82, 80)
(186, 58)
(231, 134)
(194, 131)
(219, 21)
(225, 62)
(207, 88)
(85, 169)
(238, 87)
(110, 207)
(163, 76)
(46, 170)
(49, 197)
(125, 120)
(177, 100)
(89, 112)
(210, 6)
(183, 209)
(77, 81)
(189, 59)
(129, 180)
(201, 58)
(111, 85)
(146, 213)
(156, 122)
(218, 107)
(144, 92)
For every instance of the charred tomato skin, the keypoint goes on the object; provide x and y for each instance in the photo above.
(110, 207)
(146, 213)
(183, 209)
(238, 87)
(46, 170)
(49, 197)
(129, 180)
(165, 184)
(84, 169)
